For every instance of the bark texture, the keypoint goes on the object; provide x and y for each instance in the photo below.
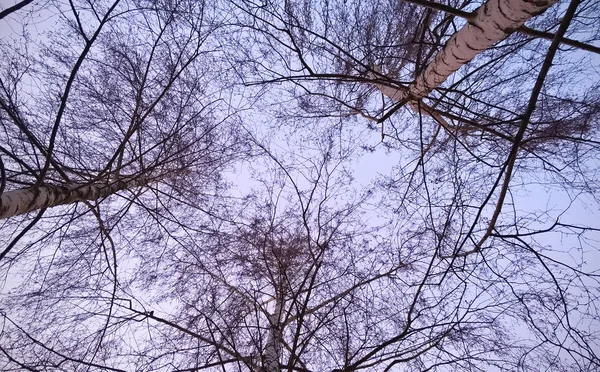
(15, 202)
(491, 22)
(273, 346)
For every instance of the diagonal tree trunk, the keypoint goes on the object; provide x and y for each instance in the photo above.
(15, 202)
(522, 30)
(14, 8)
(491, 22)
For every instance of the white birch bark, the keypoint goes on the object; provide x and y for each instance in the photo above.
(21, 201)
(273, 346)
(491, 22)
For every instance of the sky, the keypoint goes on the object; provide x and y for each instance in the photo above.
(370, 166)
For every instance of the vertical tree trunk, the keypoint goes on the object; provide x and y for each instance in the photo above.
(273, 346)
(491, 22)
(21, 201)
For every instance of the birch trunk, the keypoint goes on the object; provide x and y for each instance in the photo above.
(273, 346)
(491, 22)
(15, 202)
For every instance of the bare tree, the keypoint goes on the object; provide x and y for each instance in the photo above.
(127, 109)
(440, 263)
(487, 131)
(110, 109)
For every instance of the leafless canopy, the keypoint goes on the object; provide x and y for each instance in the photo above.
(259, 186)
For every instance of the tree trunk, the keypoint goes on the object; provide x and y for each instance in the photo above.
(21, 201)
(522, 30)
(491, 22)
(273, 346)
